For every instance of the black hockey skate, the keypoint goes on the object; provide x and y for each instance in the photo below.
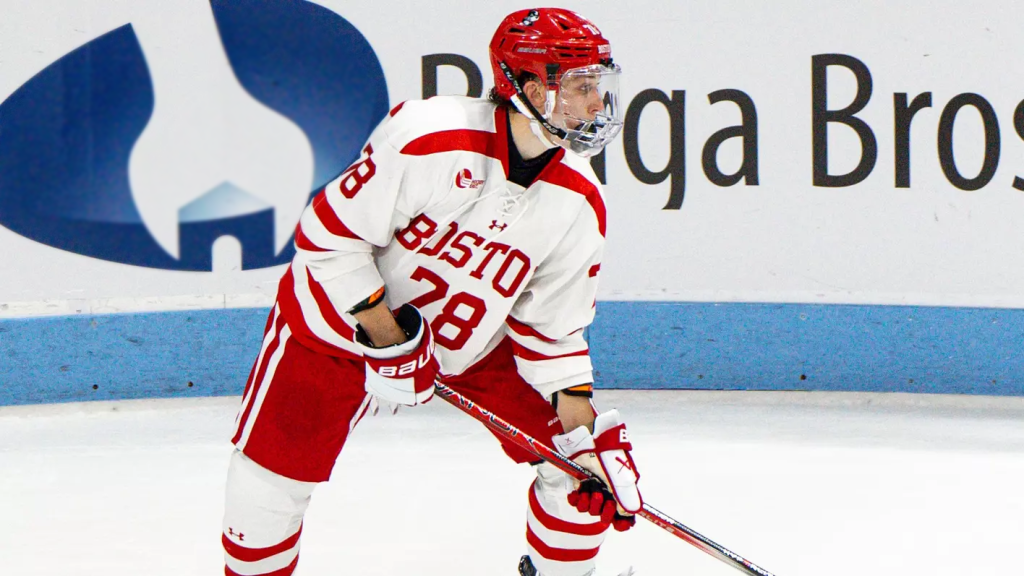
(526, 567)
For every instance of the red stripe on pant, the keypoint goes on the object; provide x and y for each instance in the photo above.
(258, 380)
(255, 366)
(558, 554)
(558, 525)
(243, 554)
(286, 571)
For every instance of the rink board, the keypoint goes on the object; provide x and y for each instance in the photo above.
(635, 345)
(864, 173)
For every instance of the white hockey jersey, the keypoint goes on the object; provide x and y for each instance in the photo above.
(427, 211)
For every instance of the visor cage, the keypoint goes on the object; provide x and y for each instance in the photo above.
(587, 108)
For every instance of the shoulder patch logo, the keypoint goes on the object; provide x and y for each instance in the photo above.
(464, 179)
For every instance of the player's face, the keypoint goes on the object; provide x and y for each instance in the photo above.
(585, 106)
(579, 100)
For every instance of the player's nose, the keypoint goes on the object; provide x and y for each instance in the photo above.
(595, 104)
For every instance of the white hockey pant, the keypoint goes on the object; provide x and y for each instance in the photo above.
(263, 514)
(262, 519)
(561, 541)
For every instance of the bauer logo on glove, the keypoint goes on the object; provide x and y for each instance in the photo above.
(408, 367)
(403, 373)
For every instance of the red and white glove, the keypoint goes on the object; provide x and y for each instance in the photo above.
(402, 373)
(606, 453)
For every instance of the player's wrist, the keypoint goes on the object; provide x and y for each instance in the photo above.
(405, 334)
(573, 411)
(378, 327)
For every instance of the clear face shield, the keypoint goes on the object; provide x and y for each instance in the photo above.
(586, 107)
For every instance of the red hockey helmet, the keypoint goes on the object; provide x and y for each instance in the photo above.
(574, 61)
(545, 42)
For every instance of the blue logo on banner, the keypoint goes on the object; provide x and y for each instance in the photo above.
(67, 134)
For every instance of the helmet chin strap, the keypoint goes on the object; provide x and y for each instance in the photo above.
(523, 104)
(541, 135)
(527, 109)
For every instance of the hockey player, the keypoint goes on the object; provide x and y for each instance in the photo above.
(463, 245)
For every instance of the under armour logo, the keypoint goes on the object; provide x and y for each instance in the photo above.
(239, 535)
(495, 226)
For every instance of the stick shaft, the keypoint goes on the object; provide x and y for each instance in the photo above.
(648, 512)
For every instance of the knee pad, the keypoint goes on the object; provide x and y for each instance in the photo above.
(561, 540)
(263, 514)
(552, 489)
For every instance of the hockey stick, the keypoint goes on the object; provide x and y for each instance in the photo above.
(648, 512)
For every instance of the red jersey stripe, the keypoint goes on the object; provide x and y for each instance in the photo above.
(524, 330)
(564, 176)
(490, 144)
(291, 313)
(526, 354)
(329, 218)
(501, 136)
(242, 554)
(553, 164)
(304, 243)
(327, 310)
(477, 141)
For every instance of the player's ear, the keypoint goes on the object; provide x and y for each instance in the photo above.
(534, 90)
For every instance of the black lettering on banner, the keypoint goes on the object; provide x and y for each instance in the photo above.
(903, 115)
(747, 130)
(992, 143)
(676, 167)
(1018, 125)
(431, 62)
(821, 116)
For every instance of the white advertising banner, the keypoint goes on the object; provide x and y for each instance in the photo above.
(157, 155)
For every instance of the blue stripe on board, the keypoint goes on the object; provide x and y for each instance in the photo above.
(646, 345)
(110, 357)
(654, 345)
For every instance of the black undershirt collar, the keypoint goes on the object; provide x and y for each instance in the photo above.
(520, 171)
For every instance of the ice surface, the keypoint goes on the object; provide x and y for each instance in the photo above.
(804, 484)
